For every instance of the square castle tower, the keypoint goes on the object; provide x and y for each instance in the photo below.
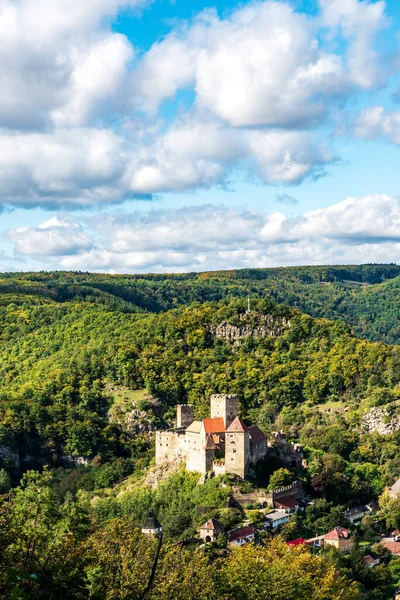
(219, 444)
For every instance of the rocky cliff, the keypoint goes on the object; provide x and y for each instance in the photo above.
(384, 420)
(257, 326)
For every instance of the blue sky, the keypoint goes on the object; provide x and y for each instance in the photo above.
(191, 135)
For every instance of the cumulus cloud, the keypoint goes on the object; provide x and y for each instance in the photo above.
(363, 229)
(75, 167)
(376, 122)
(359, 21)
(263, 65)
(54, 237)
(57, 61)
(80, 123)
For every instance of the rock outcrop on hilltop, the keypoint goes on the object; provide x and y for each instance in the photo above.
(384, 420)
(261, 327)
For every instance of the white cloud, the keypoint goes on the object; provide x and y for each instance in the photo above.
(360, 21)
(208, 237)
(58, 61)
(262, 80)
(376, 122)
(54, 237)
(264, 65)
(75, 167)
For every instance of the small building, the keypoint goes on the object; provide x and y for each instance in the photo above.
(397, 593)
(371, 562)
(287, 504)
(151, 526)
(316, 542)
(241, 536)
(276, 519)
(340, 538)
(353, 515)
(394, 547)
(210, 531)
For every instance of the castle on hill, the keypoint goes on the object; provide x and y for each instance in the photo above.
(219, 444)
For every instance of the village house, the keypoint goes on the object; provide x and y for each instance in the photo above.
(394, 547)
(287, 504)
(241, 536)
(316, 542)
(353, 515)
(210, 531)
(371, 562)
(221, 443)
(340, 538)
(276, 519)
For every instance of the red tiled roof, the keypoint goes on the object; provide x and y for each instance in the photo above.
(339, 533)
(287, 502)
(237, 426)
(298, 542)
(214, 425)
(256, 435)
(212, 524)
(369, 559)
(394, 547)
(242, 532)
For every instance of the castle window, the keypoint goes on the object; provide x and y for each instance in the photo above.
(234, 451)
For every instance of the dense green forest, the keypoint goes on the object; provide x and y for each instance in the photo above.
(366, 297)
(77, 349)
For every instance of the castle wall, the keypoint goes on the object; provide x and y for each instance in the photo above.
(225, 406)
(258, 451)
(184, 415)
(170, 446)
(237, 453)
(295, 490)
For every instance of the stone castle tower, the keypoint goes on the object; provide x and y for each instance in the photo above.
(237, 448)
(225, 406)
(184, 415)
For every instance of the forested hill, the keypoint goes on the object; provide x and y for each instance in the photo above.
(58, 360)
(366, 297)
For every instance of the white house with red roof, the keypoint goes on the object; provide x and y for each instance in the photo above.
(241, 536)
(222, 442)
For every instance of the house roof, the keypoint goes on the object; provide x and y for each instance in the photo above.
(151, 522)
(276, 515)
(241, 533)
(287, 502)
(369, 560)
(357, 510)
(339, 533)
(194, 427)
(256, 435)
(395, 489)
(213, 524)
(298, 542)
(214, 425)
(394, 547)
(237, 426)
